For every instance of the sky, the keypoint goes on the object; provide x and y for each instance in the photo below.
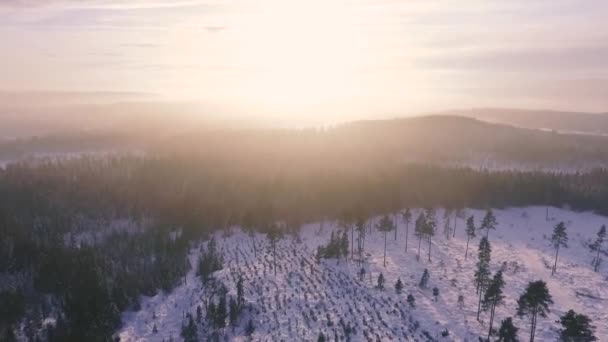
(338, 58)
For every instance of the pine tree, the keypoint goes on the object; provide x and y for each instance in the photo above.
(435, 293)
(488, 222)
(385, 225)
(407, 218)
(250, 328)
(482, 274)
(344, 245)
(221, 313)
(381, 282)
(411, 300)
(493, 297)
(360, 238)
(533, 302)
(240, 294)
(507, 331)
(425, 279)
(419, 230)
(597, 246)
(398, 286)
(430, 227)
(559, 238)
(576, 328)
(321, 338)
(234, 312)
(447, 227)
(470, 233)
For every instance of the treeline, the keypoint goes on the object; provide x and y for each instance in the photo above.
(63, 257)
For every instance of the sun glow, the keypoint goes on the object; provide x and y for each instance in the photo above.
(301, 54)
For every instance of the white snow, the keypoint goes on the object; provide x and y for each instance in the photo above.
(282, 305)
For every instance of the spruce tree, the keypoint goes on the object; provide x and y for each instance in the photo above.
(407, 218)
(533, 302)
(597, 247)
(381, 282)
(425, 279)
(411, 300)
(398, 286)
(507, 331)
(494, 297)
(470, 233)
(488, 222)
(559, 239)
(576, 328)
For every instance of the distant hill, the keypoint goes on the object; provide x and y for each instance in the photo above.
(571, 122)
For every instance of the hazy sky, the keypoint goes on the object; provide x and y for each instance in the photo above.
(359, 57)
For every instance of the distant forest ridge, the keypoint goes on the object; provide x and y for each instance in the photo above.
(561, 121)
(439, 139)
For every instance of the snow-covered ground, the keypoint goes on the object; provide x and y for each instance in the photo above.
(306, 298)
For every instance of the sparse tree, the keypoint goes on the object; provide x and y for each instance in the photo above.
(493, 298)
(470, 233)
(559, 239)
(488, 222)
(534, 302)
(274, 235)
(460, 214)
(361, 274)
(385, 225)
(507, 331)
(597, 247)
(576, 328)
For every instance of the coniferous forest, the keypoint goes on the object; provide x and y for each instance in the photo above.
(83, 238)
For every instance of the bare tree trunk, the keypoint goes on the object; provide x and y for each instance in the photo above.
(466, 252)
(384, 249)
(352, 242)
(454, 230)
(419, 245)
(555, 264)
(491, 321)
(407, 233)
(274, 252)
(429, 248)
(479, 304)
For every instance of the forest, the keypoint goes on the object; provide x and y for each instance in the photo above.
(81, 239)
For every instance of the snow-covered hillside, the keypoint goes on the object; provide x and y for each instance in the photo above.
(306, 298)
